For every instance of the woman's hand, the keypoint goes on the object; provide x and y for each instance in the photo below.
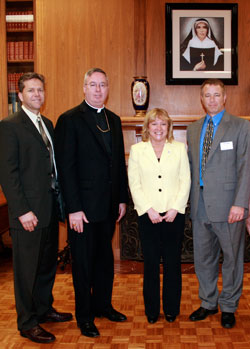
(200, 66)
(170, 215)
(154, 216)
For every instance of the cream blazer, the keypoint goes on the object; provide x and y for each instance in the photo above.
(163, 184)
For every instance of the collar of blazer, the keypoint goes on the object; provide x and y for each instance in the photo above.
(28, 124)
(150, 153)
(91, 123)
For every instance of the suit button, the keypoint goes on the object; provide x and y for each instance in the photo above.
(159, 189)
(159, 176)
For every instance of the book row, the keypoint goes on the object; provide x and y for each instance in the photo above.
(20, 50)
(14, 106)
(12, 81)
(19, 20)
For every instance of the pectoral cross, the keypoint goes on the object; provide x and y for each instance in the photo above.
(202, 56)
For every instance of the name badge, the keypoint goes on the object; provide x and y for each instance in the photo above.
(226, 145)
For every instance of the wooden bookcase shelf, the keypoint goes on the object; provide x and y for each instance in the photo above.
(17, 30)
(21, 61)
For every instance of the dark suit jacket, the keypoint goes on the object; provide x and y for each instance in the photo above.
(25, 169)
(92, 180)
(227, 175)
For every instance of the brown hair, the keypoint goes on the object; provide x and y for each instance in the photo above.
(151, 116)
(215, 82)
(29, 76)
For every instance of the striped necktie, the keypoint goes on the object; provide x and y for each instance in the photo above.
(207, 143)
(49, 147)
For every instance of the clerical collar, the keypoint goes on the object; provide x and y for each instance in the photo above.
(98, 110)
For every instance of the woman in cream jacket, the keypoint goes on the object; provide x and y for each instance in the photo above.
(159, 181)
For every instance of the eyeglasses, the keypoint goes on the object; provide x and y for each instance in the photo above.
(94, 85)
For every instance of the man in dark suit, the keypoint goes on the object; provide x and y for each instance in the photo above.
(91, 163)
(28, 179)
(219, 153)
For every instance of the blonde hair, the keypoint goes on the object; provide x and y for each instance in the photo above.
(151, 116)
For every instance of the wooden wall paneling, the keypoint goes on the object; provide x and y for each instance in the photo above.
(239, 95)
(73, 37)
(120, 82)
(140, 38)
(3, 64)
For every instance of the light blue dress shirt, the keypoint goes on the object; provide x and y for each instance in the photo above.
(216, 121)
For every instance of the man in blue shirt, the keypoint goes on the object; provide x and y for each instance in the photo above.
(219, 154)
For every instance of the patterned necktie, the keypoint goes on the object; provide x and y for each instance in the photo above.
(207, 143)
(49, 147)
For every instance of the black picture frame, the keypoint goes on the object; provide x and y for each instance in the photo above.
(179, 21)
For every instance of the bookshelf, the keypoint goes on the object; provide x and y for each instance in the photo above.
(17, 33)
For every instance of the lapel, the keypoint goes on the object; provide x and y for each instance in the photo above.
(196, 137)
(222, 128)
(49, 127)
(91, 123)
(30, 127)
(150, 153)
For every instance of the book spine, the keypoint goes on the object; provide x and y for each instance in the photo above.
(16, 50)
(20, 50)
(25, 50)
(31, 53)
(11, 50)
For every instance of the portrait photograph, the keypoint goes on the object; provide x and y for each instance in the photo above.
(201, 43)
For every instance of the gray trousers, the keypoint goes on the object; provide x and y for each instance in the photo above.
(209, 239)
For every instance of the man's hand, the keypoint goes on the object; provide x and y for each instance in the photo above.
(122, 211)
(29, 221)
(236, 214)
(76, 220)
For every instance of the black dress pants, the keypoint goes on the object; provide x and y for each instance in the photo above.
(34, 264)
(92, 268)
(162, 240)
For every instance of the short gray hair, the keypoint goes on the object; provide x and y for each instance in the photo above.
(92, 71)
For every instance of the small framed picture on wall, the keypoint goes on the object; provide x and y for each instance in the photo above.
(201, 43)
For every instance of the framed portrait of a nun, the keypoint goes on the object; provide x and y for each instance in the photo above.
(201, 43)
